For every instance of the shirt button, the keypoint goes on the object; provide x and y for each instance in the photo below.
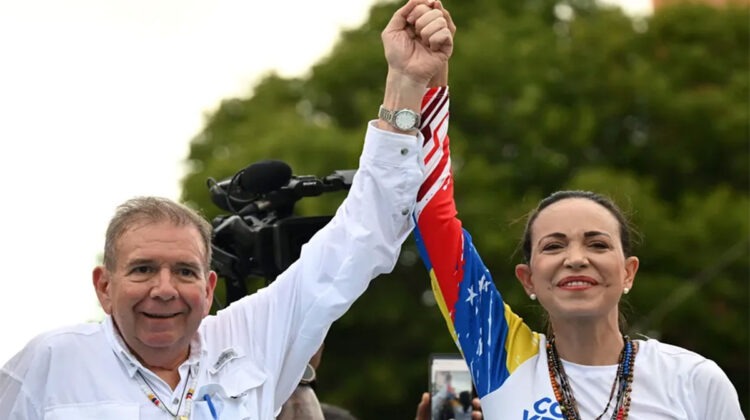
(404, 151)
(175, 401)
(405, 211)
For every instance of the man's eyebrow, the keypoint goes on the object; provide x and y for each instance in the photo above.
(139, 261)
(190, 265)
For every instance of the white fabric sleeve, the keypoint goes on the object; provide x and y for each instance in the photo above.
(284, 324)
(15, 403)
(713, 394)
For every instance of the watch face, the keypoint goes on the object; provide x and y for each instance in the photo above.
(309, 374)
(405, 120)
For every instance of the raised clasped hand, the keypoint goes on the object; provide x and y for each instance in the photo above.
(418, 40)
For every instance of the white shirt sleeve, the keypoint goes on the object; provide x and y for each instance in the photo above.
(713, 393)
(283, 325)
(15, 403)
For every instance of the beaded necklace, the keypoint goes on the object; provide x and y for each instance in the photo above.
(622, 383)
(187, 397)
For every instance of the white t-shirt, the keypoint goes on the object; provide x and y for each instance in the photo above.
(249, 357)
(666, 380)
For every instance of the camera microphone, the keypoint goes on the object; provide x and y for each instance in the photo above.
(261, 236)
(257, 179)
(265, 176)
(219, 191)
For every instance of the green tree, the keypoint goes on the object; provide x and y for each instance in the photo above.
(545, 96)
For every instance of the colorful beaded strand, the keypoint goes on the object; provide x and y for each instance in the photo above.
(623, 377)
(626, 387)
(186, 397)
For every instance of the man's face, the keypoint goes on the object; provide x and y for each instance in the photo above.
(160, 289)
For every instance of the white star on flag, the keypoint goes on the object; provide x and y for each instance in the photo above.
(472, 295)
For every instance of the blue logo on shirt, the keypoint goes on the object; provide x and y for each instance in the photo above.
(544, 409)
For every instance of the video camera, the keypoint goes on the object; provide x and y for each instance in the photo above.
(260, 237)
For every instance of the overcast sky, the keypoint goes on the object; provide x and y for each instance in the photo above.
(98, 103)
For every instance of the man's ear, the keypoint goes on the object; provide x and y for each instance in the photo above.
(523, 274)
(102, 283)
(210, 287)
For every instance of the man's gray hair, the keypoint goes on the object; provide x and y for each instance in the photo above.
(151, 210)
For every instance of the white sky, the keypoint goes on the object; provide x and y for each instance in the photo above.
(98, 102)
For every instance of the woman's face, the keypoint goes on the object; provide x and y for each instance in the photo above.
(577, 267)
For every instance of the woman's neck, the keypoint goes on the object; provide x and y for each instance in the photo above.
(588, 343)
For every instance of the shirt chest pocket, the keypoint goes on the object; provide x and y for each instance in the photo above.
(94, 411)
(234, 395)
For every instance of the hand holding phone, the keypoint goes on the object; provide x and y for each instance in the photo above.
(451, 389)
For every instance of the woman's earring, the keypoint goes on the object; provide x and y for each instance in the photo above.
(626, 290)
(532, 296)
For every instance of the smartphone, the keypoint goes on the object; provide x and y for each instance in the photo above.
(450, 385)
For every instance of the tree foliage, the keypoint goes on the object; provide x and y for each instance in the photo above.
(545, 96)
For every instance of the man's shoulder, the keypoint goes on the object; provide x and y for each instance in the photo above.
(60, 342)
(68, 334)
(66, 344)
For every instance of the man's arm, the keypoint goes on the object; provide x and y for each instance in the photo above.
(286, 322)
(374, 220)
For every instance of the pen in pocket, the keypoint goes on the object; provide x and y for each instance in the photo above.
(211, 407)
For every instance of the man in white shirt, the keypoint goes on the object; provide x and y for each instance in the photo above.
(157, 355)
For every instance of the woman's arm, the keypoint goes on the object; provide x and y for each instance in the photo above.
(493, 340)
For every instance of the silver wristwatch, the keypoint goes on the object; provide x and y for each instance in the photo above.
(309, 376)
(403, 119)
